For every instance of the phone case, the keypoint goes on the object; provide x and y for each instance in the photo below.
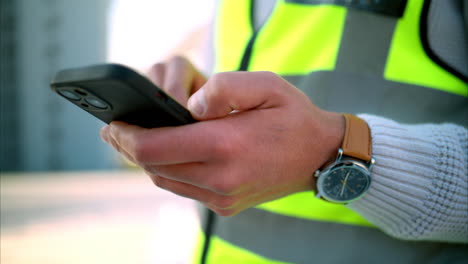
(113, 92)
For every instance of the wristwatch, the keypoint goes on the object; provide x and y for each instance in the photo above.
(348, 177)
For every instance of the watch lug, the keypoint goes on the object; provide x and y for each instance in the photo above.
(371, 164)
(317, 173)
(340, 154)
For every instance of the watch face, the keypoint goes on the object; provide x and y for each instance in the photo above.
(344, 183)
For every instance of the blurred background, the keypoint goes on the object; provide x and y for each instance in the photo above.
(65, 196)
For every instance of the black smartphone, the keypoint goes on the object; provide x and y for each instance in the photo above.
(113, 92)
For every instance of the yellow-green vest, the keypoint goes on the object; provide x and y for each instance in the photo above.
(346, 60)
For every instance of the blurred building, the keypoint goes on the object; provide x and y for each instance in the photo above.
(39, 130)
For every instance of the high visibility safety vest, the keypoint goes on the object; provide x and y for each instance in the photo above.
(347, 56)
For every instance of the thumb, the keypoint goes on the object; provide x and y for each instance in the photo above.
(237, 91)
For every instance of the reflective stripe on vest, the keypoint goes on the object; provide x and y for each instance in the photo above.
(322, 49)
(225, 252)
(258, 236)
(316, 46)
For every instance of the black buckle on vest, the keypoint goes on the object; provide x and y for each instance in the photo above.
(394, 8)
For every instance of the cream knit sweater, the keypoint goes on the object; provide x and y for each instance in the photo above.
(419, 187)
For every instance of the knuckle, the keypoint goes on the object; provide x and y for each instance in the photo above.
(271, 75)
(223, 147)
(156, 69)
(277, 83)
(217, 87)
(179, 59)
(157, 180)
(225, 212)
(156, 73)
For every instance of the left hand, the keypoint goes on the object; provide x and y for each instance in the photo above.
(269, 148)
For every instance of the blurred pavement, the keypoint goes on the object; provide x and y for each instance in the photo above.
(93, 217)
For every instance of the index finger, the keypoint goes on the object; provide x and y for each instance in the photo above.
(165, 146)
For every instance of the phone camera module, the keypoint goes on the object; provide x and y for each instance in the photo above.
(70, 95)
(78, 91)
(96, 103)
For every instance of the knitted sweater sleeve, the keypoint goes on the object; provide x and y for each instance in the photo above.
(419, 188)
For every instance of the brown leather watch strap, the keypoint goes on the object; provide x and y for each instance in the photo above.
(357, 141)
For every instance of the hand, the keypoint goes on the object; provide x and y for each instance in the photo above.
(260, 139)
(178, 77)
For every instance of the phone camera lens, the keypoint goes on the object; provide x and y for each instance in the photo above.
(70, 95)
(96, 103)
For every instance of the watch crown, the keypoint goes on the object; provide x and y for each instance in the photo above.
(317, 173)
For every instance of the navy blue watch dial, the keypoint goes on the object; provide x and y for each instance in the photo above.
(345, 183)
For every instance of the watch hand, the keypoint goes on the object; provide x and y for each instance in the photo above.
(344, 183)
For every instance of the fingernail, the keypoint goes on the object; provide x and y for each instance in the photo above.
(197, 103)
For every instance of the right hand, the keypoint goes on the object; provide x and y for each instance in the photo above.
(268, 149)
(178, 77)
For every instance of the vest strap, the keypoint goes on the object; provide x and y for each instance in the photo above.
(393, 8)
(365, 50)
(416, 104)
